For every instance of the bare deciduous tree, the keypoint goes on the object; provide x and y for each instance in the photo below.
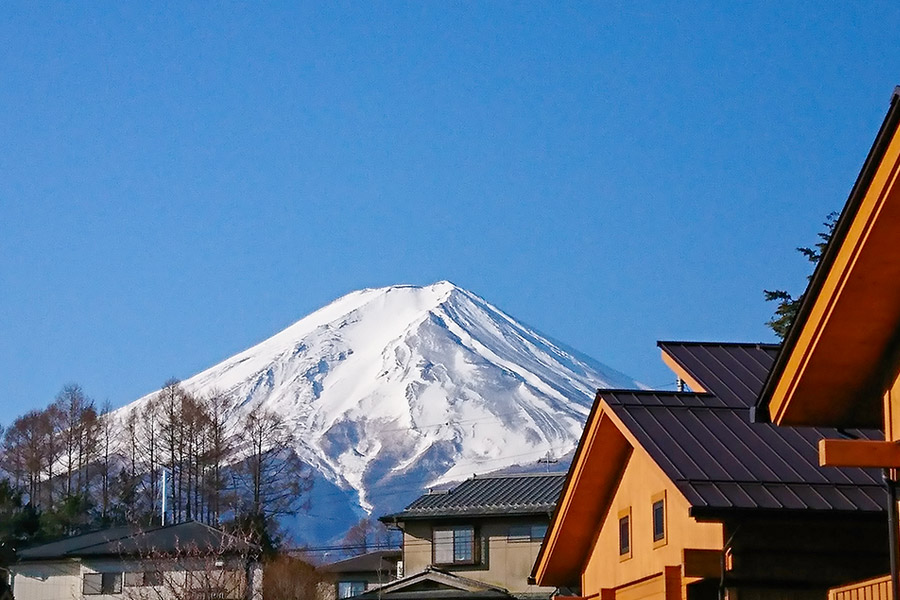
(367, 535)
(148, 448)
(105, 447)
(271, 473)
(219, 448)
(24, 451)
(51, 422)
(227, 570)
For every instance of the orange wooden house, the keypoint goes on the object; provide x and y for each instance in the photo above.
(678, 495)
(839, 365)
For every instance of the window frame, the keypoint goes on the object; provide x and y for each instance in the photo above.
(351, 583)
(529, 536)
(659, 498)
(147, 579)
(475, 550)
(629, 551)
(98, 585)
(115, 578)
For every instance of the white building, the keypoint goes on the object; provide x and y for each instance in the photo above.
(175, 562)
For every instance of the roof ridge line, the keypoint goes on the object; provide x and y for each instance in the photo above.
(512, 475)
(640, 391)
(732, 344)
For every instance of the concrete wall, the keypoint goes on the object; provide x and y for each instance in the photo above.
(47, 581)
(503, 563)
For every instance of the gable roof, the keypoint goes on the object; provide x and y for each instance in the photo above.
(721, 462)
(435, 583)
(847, 328)
(371, 562)
(705, 444)
(732, 372)
(485, 495)
(131, 541)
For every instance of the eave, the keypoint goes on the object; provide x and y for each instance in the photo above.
(597, 466)
(468, 514)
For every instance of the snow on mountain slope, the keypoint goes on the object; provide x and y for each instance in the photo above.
(394, 389)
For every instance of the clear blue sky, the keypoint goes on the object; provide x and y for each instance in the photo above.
(178, 183)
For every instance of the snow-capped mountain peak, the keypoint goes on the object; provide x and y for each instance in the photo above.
(406, 386)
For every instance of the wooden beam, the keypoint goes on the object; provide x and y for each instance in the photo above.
(702, 563)
(859, 453)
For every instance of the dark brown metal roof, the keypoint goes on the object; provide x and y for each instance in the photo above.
(733, 372)
(520, 494)
(706, 444)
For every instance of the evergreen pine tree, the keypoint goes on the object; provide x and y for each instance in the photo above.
(787, 307)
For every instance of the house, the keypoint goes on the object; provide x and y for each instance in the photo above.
(185, 560)
(678, 495)
(839, 365)
(353, 576)
(476, 540)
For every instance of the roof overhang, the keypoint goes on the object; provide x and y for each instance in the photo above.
(597, 467)
(832, 366)
(712, 514)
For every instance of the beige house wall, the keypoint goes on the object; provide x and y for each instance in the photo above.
(503, 563)
(642, 482)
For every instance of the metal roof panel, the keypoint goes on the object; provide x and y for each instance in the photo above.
(718, 458)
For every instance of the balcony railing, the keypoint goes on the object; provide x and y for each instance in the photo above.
(871, 589)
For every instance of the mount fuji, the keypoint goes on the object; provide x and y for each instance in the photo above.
(389, 391)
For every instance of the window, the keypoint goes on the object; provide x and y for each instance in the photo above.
(625, 534)
(102, 583)
(348, 589)
(659, 519)
(454, 545)
(526, 533)
(153, 578)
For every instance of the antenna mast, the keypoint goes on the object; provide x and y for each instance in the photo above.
(548, 460)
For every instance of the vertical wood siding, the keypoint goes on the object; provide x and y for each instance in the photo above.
(872, 589)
